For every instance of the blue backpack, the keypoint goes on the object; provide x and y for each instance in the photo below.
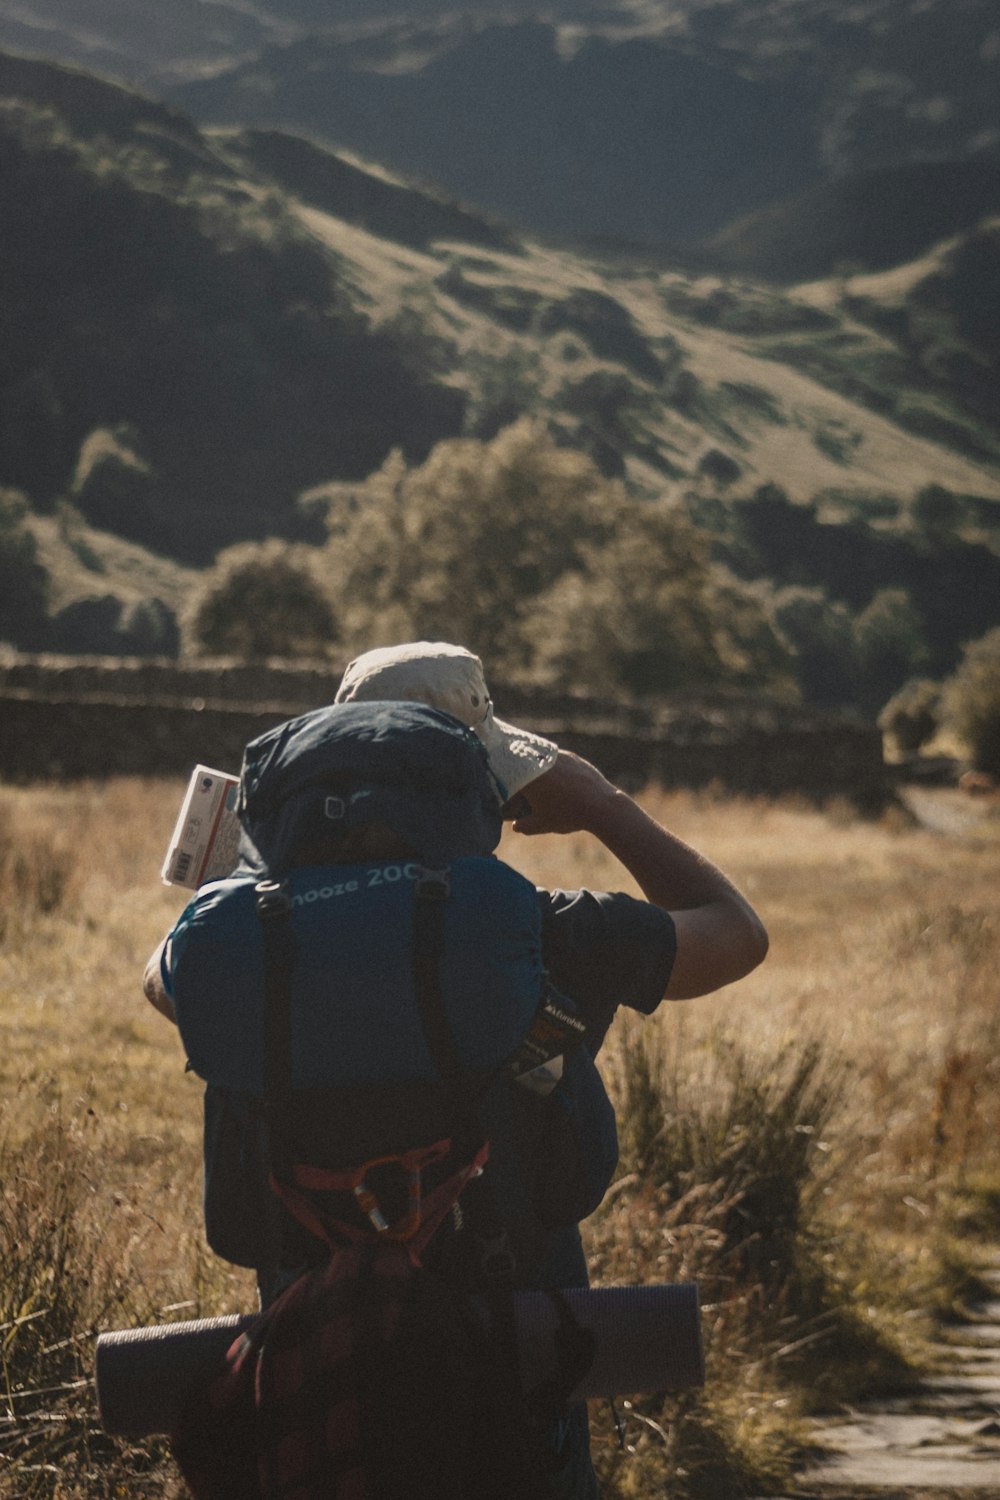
(348, 1018)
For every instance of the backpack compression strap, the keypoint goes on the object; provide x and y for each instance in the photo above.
(290, 1180)
(274, 908)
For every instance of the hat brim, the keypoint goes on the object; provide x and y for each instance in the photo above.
(516, 755)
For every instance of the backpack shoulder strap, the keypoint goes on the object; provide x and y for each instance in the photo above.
(430, 902)
(274, 908)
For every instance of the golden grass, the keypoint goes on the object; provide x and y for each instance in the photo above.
(885, 947)
(885, 943)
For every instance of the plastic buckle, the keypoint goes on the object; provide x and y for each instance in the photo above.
(273, 898)
(406, 1226)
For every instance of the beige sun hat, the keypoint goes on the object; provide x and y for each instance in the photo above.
(450, 678)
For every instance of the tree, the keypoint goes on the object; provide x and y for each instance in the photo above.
(24, 582)
(912, 715)
(461, 547)
(260, 600)
(891, 644)
(937, 512)
(647, 614)
(820, 632)
(525, 552)
(971, 702)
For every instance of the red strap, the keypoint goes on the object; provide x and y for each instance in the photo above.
(415, 1228)
(321, 1179)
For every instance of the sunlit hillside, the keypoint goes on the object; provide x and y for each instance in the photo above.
(279, 257)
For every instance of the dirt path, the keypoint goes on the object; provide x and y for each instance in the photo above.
(943, 1440)
(947, 810)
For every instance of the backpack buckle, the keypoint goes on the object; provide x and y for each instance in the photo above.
(406, 1226)
(273, 899)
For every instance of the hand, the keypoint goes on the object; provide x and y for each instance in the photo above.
(568, 798)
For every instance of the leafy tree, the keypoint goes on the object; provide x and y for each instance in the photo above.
(149, 628)
(104, 625)
(648, 615)
(972, 701)
(24, 583)
(936, 511)
(460, 547)
(523, 551)
(91, 626)
(912, 715)
(891, 645)
(262, 599)
(820, 632)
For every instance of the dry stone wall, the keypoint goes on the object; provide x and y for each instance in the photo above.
(80, 717)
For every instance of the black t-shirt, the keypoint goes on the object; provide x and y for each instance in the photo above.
(605, 949)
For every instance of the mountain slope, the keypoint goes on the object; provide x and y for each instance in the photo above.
(615, 140)
(630, 120)
(875, 219)
(213, 326)
(155, 293)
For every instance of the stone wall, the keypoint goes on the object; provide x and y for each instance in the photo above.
(67, 717)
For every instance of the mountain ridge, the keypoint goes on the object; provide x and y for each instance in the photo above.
(632, 120)
(244, 321)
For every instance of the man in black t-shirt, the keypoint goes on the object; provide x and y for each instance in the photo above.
(693, 933)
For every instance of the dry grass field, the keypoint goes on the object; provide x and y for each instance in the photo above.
(815, 1145)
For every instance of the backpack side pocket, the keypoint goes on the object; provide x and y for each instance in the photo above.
(577, 1145)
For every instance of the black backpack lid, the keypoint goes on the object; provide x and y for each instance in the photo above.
(414, 768)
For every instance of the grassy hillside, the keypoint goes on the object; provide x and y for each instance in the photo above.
(616, 139)
(245, 318)
(195, 322)
(631, 119)
(656, 125)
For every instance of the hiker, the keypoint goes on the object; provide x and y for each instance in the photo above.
(693, 933)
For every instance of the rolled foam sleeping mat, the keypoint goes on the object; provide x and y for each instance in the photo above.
(647, 1338)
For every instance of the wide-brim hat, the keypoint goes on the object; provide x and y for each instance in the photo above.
(450, 678)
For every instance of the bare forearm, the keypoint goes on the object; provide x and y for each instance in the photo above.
(668, 871)
(720, 938)
(719, 935)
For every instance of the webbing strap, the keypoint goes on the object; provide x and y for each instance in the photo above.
(334, 1232)
(274, 907)
(430, 901)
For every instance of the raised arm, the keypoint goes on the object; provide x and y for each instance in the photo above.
(720, 937)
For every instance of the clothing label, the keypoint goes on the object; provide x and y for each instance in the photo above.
(543, 1080)
(538, 1062)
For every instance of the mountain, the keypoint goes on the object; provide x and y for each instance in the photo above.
(633, 121)
(876, 219)
(616, 140)
(206, 329)
(150, 43)
(159, 297)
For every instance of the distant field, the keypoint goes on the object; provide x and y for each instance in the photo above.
(885, 947)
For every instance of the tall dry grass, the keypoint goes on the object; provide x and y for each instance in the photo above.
(814, 1145)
